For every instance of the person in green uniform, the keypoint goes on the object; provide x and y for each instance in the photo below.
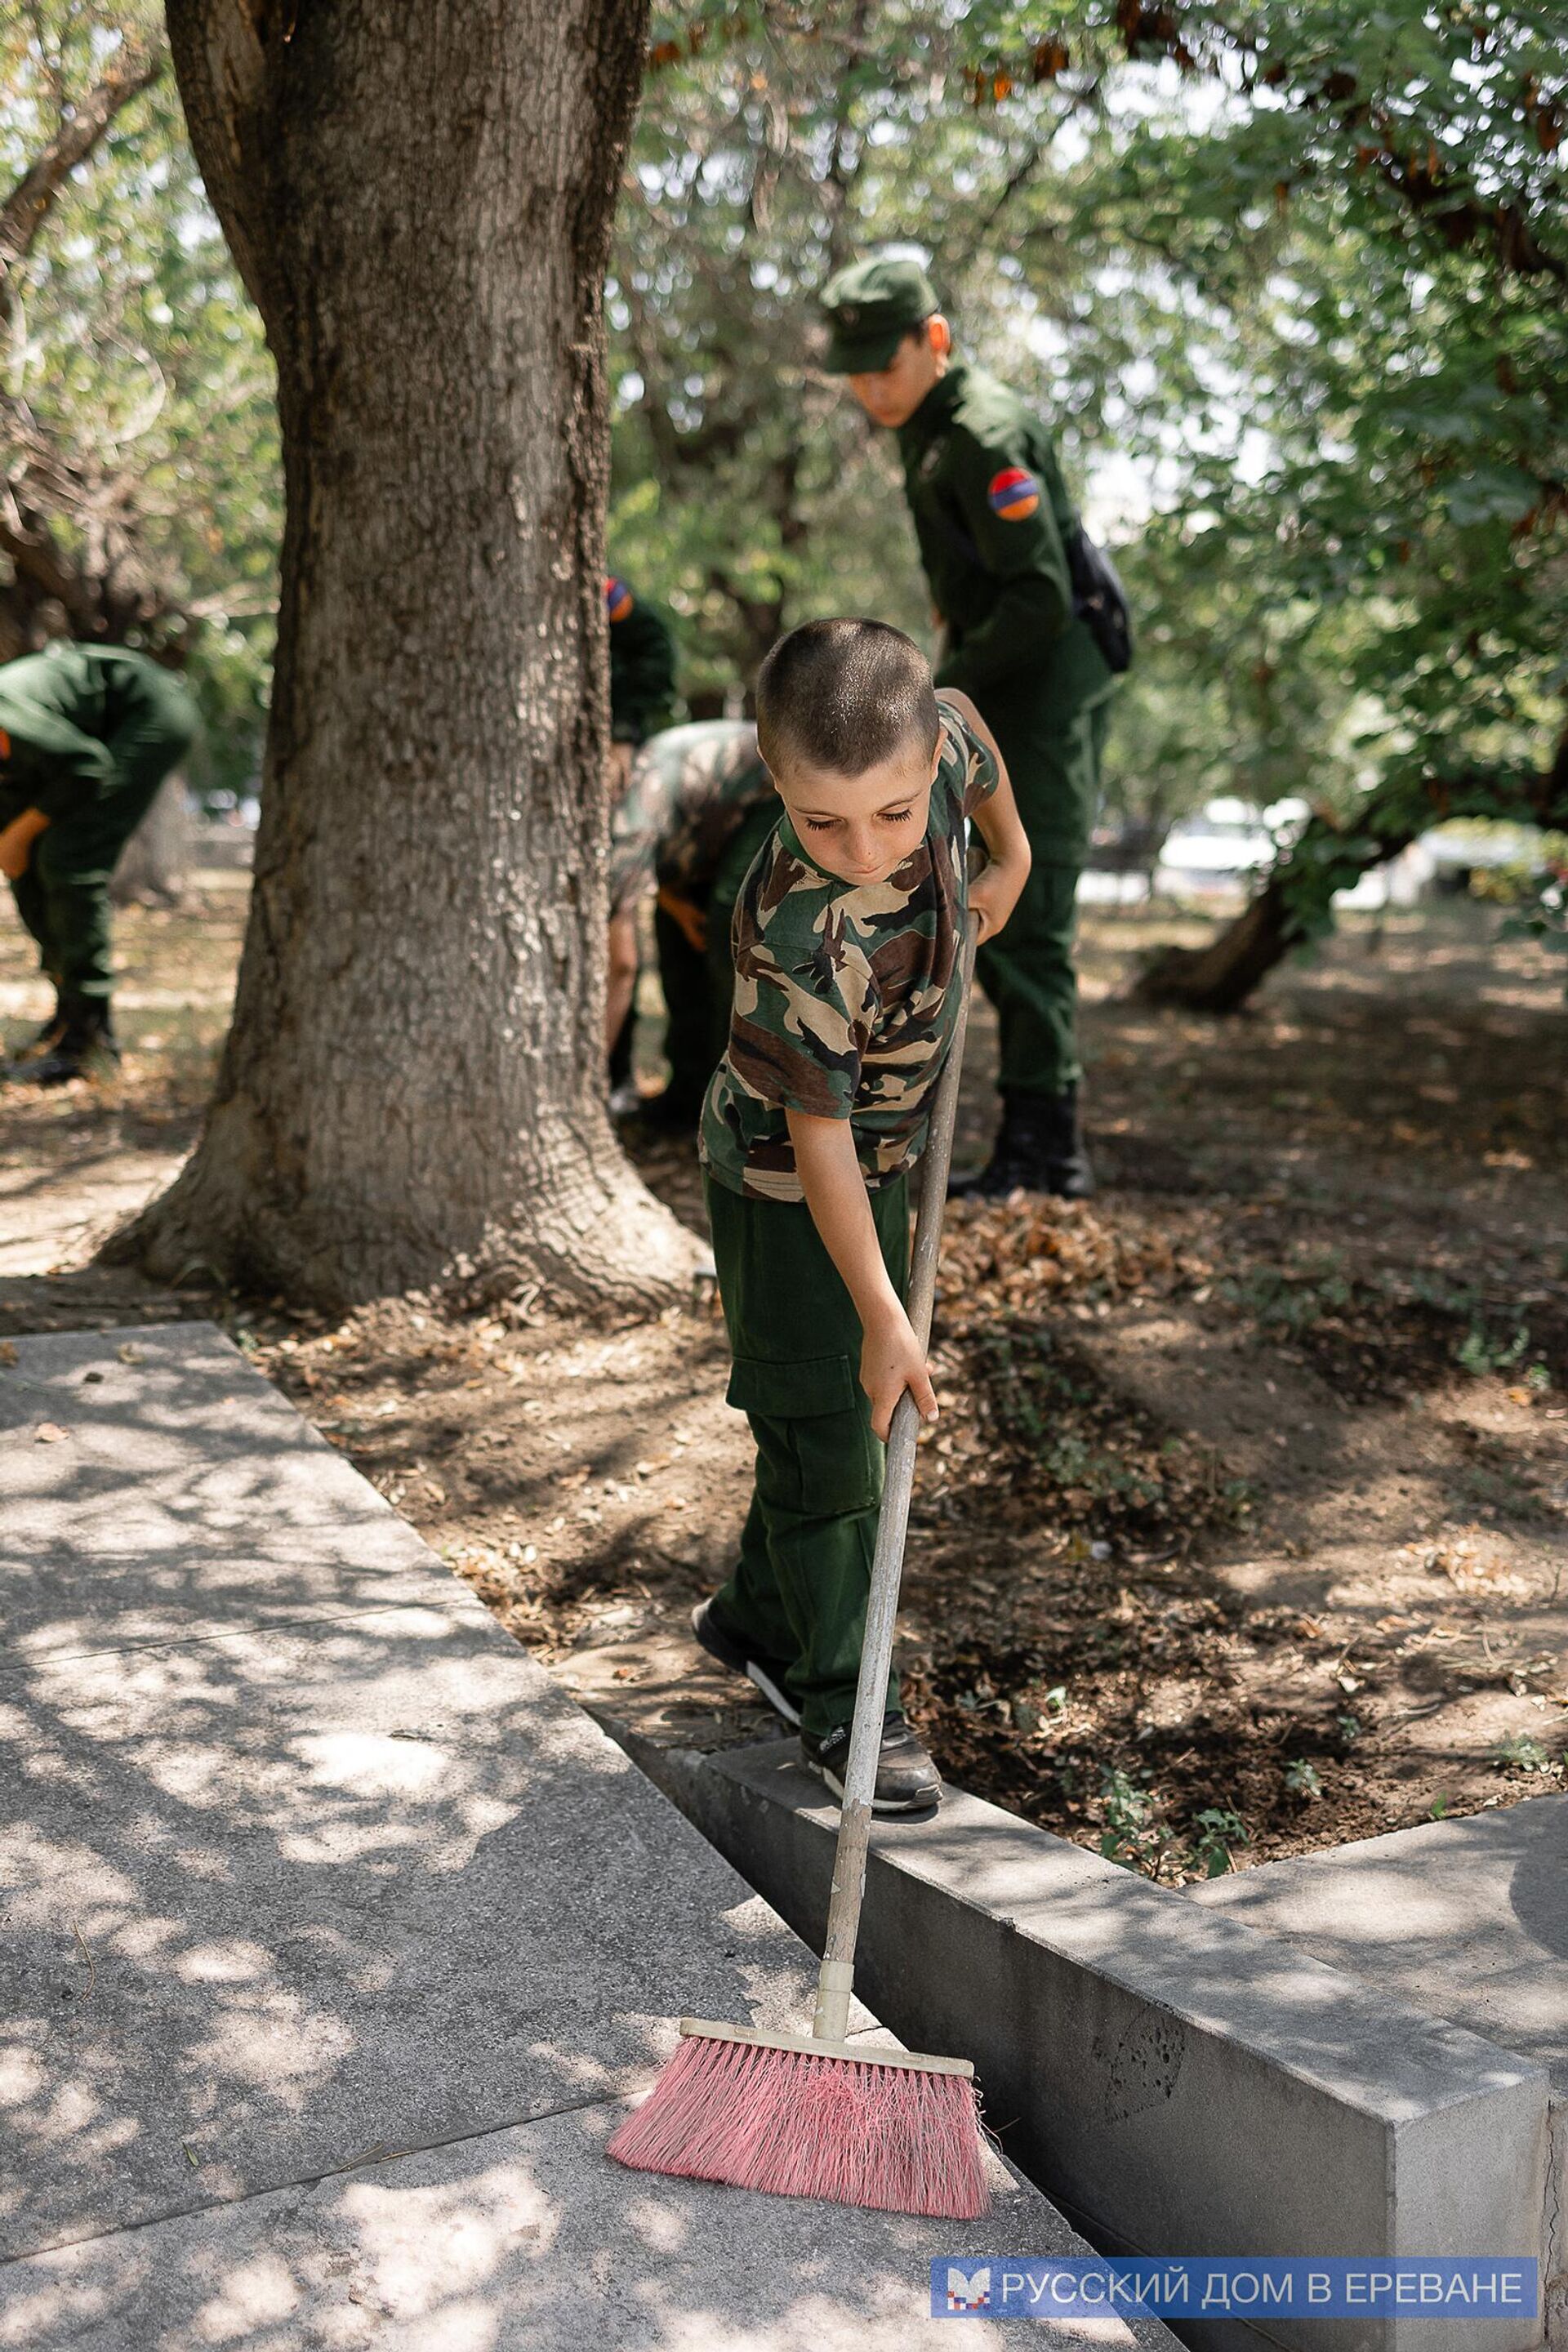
(994, 522)
(642, 667)
(845, 944)
(642, 703)
(698, 809)
(87, 733)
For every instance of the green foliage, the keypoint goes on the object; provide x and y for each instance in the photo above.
(1479, 1354)
(1289, 280)
(1134, 1834)
(1129, 1835)
(1286, 1302)
(1523, 1754)
(1298, 271)
(137, 353)
(1216, 1829)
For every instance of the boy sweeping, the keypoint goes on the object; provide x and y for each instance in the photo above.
(847, 942)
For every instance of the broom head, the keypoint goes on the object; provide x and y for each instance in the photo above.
(898, 2132)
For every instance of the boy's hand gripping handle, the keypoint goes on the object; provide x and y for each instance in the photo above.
(831, 2021)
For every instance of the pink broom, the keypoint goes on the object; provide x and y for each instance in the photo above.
(809, 2115)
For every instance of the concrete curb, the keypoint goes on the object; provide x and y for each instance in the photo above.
(1467, 1918)
(1175, 2081)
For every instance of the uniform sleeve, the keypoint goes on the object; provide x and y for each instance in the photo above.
(53, 762)
(804, 1000)
(642, 673)
(1006, 511)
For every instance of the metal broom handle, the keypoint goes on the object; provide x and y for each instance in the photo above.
(836, 1979)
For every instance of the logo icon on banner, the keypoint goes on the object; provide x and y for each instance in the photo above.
(1014, 494)
(972, 2294)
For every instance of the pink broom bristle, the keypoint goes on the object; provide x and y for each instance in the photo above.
(892, 2138)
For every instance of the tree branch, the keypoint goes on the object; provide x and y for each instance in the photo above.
(34, 197)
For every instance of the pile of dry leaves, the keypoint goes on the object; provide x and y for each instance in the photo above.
(1023, 1256)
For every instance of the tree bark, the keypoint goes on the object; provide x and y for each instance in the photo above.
(419, 200)
(1221, 975)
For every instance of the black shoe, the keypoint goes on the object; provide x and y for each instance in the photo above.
(767, 1673)
(1039, 1148)
(907, 1779)
(85, 1047)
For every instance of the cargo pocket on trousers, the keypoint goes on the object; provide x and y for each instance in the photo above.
(815, 1453)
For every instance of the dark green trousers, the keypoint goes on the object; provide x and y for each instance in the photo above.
(1028, 972)
(699, 984)
(697, 989)
(798, 1591)
(63, 896)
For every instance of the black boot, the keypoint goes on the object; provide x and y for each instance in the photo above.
(85, 1046)
(42, 1042)
(1039, 1148)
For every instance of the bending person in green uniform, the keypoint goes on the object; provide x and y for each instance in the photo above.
(994, 521)
(699, 806)
(87, 733)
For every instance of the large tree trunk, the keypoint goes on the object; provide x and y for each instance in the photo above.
(420, 199)
(1220, 977)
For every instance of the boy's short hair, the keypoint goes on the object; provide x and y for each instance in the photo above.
(844, 696)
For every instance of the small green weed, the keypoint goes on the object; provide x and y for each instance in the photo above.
(1217, 1830)
(1479, 1352)
(1523, 1754)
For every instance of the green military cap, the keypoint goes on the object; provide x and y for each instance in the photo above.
(870, 308)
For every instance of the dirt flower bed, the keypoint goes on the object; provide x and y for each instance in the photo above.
(1243, 1530)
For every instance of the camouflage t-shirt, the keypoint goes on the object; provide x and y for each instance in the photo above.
(845, 1007)
(690, 791)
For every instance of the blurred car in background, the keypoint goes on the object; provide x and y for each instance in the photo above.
(1223, 844)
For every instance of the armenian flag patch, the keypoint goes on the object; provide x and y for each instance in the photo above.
(1014, 494)
(618, 597)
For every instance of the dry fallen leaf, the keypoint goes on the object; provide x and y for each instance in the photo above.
(49, 1432)
(7, 1351)
(129, 1355)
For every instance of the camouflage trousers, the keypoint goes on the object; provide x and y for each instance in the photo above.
(797, 1594)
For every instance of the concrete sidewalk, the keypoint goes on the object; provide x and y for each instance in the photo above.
(334, 1937)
